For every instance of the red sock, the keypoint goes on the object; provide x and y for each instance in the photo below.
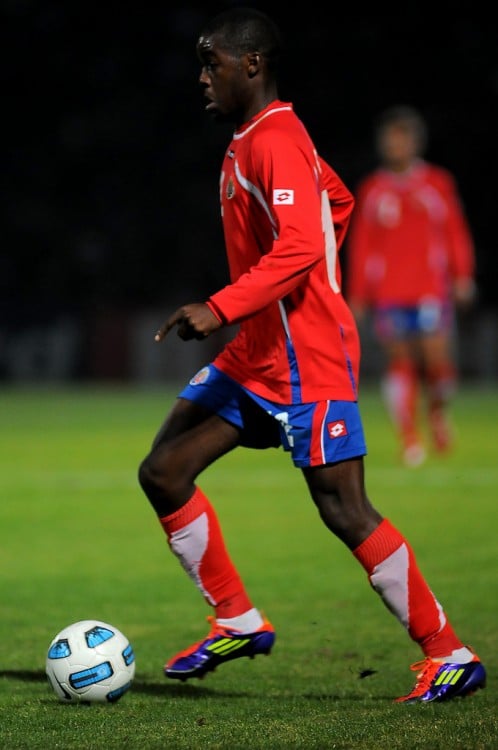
(441, 383)
(393, 572)
(401, 388)
(194, 536)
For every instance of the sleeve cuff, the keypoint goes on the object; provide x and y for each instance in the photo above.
(216, 311)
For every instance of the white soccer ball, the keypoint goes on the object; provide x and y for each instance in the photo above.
(90, 662)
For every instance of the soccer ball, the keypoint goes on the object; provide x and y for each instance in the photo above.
(90, 662)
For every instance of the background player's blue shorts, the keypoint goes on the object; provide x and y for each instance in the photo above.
(315, 434)
(393, 322)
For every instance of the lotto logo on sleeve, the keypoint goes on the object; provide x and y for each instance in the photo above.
(337, 429)
(283, 197)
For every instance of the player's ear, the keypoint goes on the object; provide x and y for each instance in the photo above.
(253, 64)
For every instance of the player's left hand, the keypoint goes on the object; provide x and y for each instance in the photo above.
(464, 293)
(193, 321)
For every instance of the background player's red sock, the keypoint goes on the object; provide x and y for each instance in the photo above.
(194, 536)
(393, 572)
(441, 387)
(400, 388)
(441, 381)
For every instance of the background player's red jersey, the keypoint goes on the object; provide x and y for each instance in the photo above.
(409, 238)
(285, 213)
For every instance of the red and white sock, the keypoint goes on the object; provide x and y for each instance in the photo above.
(400, 389)
(441, 383)
(441, 386)
(394, 574)
(195, 537)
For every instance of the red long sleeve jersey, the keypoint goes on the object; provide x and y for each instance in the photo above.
(409, 238)
(285, 213)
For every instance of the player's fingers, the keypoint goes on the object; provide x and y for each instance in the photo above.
(168, 325)
(161, 333)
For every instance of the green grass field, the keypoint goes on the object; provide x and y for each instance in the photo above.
(80, 541)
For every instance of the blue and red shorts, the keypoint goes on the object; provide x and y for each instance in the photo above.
(315, 434)
(395, 322)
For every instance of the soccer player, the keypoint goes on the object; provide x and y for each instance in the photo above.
(411, 262)
(288, 378)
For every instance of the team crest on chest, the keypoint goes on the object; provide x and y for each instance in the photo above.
(230, 192)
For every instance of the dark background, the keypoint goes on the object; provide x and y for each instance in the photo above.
(110, 165)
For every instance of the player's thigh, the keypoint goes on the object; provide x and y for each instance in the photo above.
(182, 417)
(436, 347)
(397, 333)
(344, 481)
(397, 349)
(338, 491)
(191, 440)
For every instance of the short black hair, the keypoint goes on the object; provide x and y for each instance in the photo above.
(240, 30)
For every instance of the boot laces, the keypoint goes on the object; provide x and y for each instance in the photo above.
(216, 629)
(427, 669)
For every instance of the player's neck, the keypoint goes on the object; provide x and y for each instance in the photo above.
(401, 167)
(257, 105)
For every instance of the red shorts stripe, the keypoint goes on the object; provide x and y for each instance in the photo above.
(317, 456)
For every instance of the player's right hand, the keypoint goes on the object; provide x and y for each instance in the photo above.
(193, 321)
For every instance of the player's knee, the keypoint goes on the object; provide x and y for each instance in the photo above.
(153, 475)
(332, 512)
(346, 514)
(148, 478)
(164, 486)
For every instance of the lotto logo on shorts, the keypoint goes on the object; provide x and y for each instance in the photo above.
(337, 429)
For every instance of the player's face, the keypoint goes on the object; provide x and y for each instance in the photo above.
(398, 145)
(224, 81)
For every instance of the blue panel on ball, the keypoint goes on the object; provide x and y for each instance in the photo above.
(97, 635)
(128, 655)
(91, 676)
(115, 695)
(59, 650)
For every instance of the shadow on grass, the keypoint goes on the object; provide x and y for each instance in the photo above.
(25, 675)
(147, 688)
(189, 692)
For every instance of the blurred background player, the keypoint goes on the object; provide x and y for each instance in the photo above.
(411, 263)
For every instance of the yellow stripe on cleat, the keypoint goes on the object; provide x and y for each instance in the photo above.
(449, 676)
(226, 645)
